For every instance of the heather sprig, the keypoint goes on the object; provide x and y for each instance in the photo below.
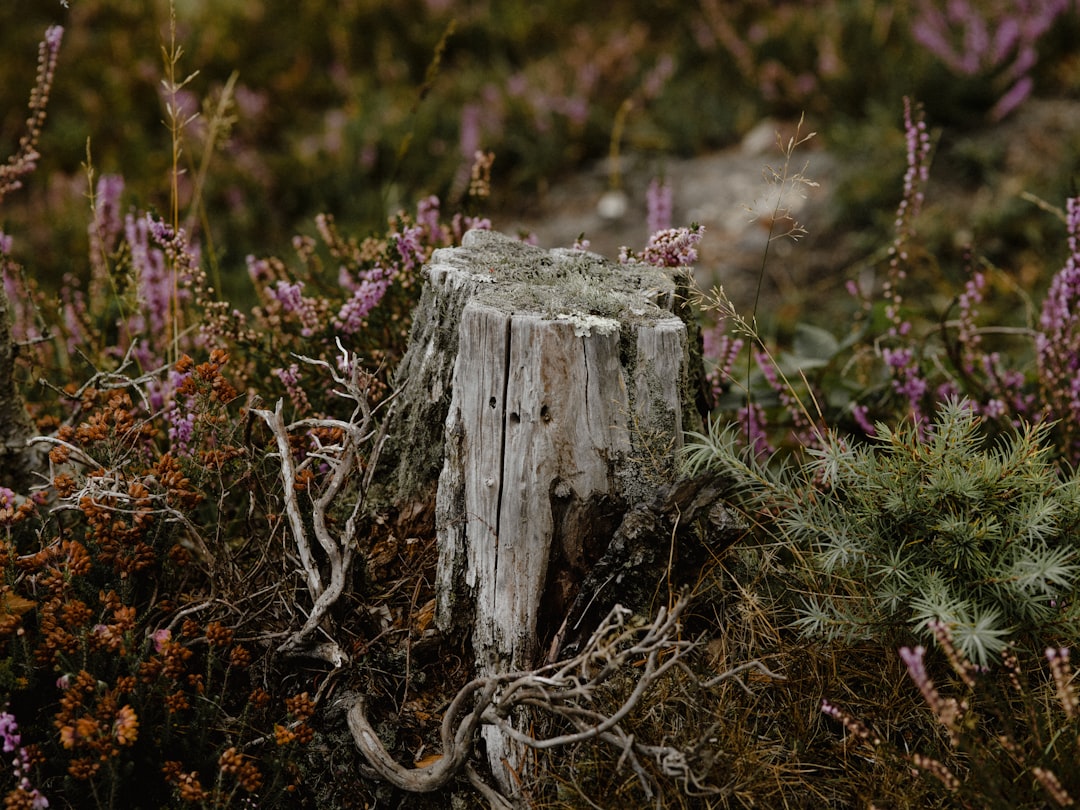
(1009, 744)
(900, 357)
(672, 247)
(23, 794)
(1057, 343)
(155, 669)
(357, 291)
(785, 82)
(659, 199)
(722, 350)
(24, 161)
(999, 391)
(106, 224)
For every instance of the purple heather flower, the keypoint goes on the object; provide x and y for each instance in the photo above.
(180, 415)
(972, 39)
(350, 319)
(859, 413)
(1057, 342)
(471, 129)
(183, 255)
(803, 432)
(289, 294)
(345, 279)
(721, 350)
(9, 732)
(155, 285)
(575, 108)
(53, 35)
(290, 378)
(913, 660)
(673, 247)
(653, 83)
(1012, 99)
(462, 223)
(410, 247)
(949, 390)
(160, 638)
(903, 366)
(259, 271)
(73, 308)
(967, 335)
(993, 408)
(291, 297)
(181, 429)
(517, 85)
(11, 741)
(107, 224)
(752, 419)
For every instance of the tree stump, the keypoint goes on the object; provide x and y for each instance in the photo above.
(550, 389)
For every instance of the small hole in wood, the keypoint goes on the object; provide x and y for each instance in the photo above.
(491, 403)
(545, 414)
(514, 418)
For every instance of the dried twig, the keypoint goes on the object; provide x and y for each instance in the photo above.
(342, 459)
(566, 690)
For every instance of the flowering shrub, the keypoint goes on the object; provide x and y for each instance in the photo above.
(900, 361)
(1057, 344)
(994, 39)
(111, 584)
(186, 546)
(1008, 743)
(24, 161)
(139, 571)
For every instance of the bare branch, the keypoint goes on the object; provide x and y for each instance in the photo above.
(343, 460)
(566, 690)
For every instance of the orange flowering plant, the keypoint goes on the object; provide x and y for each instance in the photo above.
(123, 642)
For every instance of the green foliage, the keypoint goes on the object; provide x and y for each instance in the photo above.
(925, 523)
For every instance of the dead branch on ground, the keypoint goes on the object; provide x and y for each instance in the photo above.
(341, 459)
(566, 691)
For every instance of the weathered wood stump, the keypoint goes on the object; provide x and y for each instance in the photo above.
(549, 390)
